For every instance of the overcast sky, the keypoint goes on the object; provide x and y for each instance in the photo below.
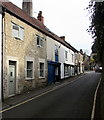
(65, 18)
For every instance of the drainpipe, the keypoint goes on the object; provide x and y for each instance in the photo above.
(2, 54)
(2, 62)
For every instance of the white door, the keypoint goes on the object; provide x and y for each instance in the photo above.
(12, 79)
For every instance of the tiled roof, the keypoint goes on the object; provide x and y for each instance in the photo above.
(16, 11)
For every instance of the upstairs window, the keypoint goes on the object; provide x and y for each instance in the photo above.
(41, 69)
(29, 69)
(40, 41)
(66, 70)
(56, 50)
(66, 55)
(72, 58)
(17, 31)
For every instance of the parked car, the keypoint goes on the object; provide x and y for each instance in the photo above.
(98, 69)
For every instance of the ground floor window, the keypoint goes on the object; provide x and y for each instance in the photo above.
(29, 69)
(66, 70)
(41, 71)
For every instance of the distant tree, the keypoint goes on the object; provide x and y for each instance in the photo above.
(96, 9)
(97, 28)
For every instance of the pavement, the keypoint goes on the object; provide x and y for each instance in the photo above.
(11, 101)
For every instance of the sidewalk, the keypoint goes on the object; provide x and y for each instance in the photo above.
(37, 91)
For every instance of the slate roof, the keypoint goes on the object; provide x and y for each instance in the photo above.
(19, 13)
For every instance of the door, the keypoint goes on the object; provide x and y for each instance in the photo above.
(51, 73)
(56, 73)
(12, 78)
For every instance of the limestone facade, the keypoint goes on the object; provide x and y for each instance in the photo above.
(20, 51)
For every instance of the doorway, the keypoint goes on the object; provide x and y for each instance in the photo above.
(12, 78)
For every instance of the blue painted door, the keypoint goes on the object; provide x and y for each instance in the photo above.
(51, 73)
(56, 58)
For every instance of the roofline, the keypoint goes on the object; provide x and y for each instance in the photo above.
(36, 27)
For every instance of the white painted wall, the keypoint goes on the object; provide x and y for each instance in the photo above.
(51, 48)
(62, 60)
(62, 55)
(51, 54)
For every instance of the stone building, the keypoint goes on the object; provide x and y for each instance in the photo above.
(24, 50)
(80, 62)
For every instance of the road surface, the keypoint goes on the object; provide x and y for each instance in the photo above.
(74, 100)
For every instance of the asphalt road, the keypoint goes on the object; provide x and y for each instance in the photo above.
(74, 100)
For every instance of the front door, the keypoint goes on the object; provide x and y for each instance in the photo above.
(12, 78)
(51, 73)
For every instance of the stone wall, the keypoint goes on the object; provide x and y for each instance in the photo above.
(17, 50)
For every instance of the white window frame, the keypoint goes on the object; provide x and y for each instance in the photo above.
(56, 50)
(72, 57)
(66, 72)
(41, 61)
(66, 55)
(21, 30)
(19, 33)
(29, 59)
(41, 70)
(41, 41)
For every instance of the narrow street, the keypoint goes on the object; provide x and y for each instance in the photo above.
(74, 100)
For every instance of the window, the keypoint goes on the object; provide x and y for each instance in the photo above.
(56, 50)
(17, 31)
(72, 58)
(39, 41)
(41, 69)
(29, 69)
(66, 55)
(21, 33)
(66, 70)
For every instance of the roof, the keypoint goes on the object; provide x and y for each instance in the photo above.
(19, 13)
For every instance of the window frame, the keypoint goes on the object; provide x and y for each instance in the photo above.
(40, 41)
(66, 72)
(20, 29)
(41, 60)
(29, 59)
(29, 69)
(72, 57)
(66, 55)
(56, 50)
(41, 70)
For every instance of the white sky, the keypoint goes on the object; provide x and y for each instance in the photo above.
(65, 18)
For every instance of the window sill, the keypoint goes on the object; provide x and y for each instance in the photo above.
(39, 46)
(29, 79)
(18, 38)
(67, 76)
(41, 77)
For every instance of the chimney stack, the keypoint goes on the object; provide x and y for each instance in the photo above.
(62, 37)
(27, 6)
(81, 51)
(40, 17)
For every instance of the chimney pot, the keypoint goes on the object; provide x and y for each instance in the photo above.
(40, 17)
(62, 37)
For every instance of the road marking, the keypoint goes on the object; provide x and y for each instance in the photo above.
(44, 93)
(93, 109)
(25, 101)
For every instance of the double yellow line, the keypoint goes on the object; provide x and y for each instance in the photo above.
(44, 93)
(26, 101)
